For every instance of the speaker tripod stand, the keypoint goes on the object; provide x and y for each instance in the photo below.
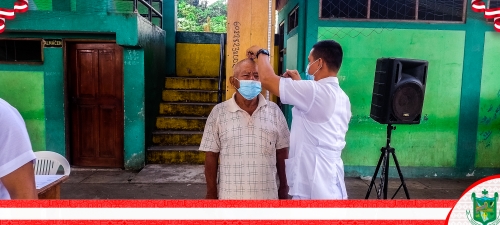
(387, 151)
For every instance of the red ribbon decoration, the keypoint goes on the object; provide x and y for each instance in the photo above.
(479, 7)
(20, 6)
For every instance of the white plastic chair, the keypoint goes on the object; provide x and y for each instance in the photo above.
(47, 163)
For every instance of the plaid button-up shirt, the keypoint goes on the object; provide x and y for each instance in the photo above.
(247, 146)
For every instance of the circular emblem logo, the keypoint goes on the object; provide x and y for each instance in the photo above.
(478, 204)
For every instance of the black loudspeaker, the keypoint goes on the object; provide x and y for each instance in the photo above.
(398, 91)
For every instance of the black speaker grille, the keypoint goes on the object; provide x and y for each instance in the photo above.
(398, 90)
(407, 101)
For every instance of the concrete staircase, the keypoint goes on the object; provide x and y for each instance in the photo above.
(187, 102)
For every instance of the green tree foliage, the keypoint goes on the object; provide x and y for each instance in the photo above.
(198, 16)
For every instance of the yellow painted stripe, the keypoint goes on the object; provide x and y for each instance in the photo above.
(197, 60)
(175, 157)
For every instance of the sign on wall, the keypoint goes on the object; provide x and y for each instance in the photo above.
(53, 43)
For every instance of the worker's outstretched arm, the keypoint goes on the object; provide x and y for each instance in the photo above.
(270, 81)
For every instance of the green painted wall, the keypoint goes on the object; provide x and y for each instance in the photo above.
(133, 83)
(152, 40)
(110, 6)
(92, 6)
(40, 5)
(25, 91)
(144, 69)
(50, 97)
(488, 138)
(61, 5)
(292, 46)
(444, 51)
(54, 100)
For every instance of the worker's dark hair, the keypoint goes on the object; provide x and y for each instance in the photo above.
(330, 51)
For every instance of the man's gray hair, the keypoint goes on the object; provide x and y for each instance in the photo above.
(236, 68)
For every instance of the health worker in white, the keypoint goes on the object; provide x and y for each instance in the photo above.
(17, 178)
(321, 115)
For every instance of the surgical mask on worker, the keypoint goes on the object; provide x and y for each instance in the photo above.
(249, 89)
(311, 76)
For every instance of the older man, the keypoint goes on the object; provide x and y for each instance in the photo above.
(250, 137)
(17, 178)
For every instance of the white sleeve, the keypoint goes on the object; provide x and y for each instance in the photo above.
(299, 93)
(15, 145)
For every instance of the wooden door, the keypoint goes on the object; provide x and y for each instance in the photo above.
(95, 91)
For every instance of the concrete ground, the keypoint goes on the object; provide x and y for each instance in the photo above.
(188, 182)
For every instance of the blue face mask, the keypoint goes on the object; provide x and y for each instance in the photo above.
(249, 89)
(311, 76)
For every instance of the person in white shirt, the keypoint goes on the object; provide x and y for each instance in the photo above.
(250, 137)
(321, 115)
(17, 177)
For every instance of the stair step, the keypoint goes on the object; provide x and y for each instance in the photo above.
(175, 155)
(186, 109)
(174, 148)
(181, 123)
(184, 83)
(190, 96)
(172, 132)
(177, 138)
(194, 75)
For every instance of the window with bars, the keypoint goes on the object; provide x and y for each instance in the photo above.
(493, 4)
(425, 10)
(20, 50)
(293, 19)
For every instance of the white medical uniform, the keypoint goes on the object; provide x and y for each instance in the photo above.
(15, 145)
(321, 115)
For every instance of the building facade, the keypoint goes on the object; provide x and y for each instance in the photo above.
(84, 75)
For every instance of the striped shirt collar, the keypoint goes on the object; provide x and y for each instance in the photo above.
(233, 107)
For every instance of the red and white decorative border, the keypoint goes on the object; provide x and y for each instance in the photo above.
(250, 212)
(20, 6)
(225, 212)
(479, 6)
(459, 214)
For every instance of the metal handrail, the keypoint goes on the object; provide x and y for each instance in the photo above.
(151, 9)
(221, 68)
